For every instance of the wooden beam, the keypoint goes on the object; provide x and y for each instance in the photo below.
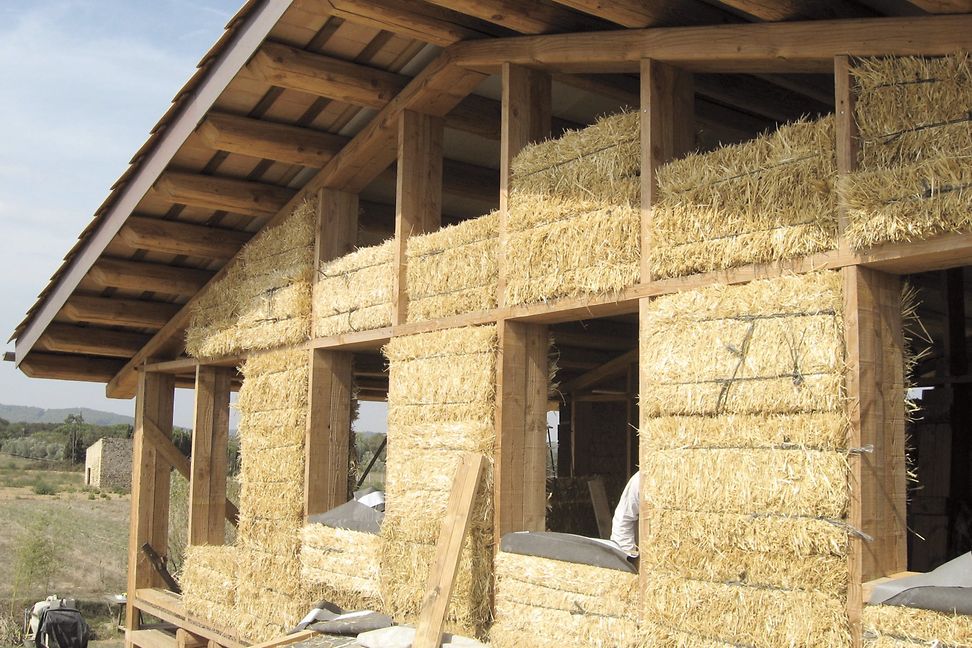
(523, 17)
(847, 138)
(269, 140)
(328, 434)
(243, 197)
(520, 455)
(183, 239)
(210, 435)
(525, 119)
(337, 225)
(87, 340)
(614, 367)
(148, 277)
(781, 10)
(132, 313)
(667, 104)
(169, 607)
(944, 6)
(639, 14)
(149, 518)
(418, 196)
(69, 367)
(764, 47)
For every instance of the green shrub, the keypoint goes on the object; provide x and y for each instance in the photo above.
(43, 488)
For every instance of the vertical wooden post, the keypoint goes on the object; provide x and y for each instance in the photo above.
(210, 435)
(667, 132)
(847, 137)
(418, 199)
(526, 115)
(520, 476)
(328, 433)
(149, 520)
(875, 399)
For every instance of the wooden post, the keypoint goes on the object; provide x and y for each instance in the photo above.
(149, 520)
(418, 199)
(875, 399)
(328, 435)
(526, 118)
(210, 435)
(520, 475)
(667, 132)
(847, 136)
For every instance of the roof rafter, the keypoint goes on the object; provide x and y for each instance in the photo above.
(148, 277)
(177, 238)
(86, 340)
(243, 197)
(110, 311)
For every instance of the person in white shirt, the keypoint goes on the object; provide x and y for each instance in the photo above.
(624, 527)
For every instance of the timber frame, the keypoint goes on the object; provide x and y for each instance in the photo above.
(675, 64)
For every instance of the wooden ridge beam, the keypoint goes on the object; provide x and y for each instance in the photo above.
(109, 311)
(269, 140)
(70, 367)
(183, 239)
(764, 47)
(243, 197)
(148, 277)
(66, 338)
(614, 367)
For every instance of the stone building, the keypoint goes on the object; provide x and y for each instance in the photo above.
(108, 464)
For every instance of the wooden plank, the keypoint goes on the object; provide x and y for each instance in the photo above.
(89, 340)
(185, 639)
(943, 6)
(526, 113)
(286, 640)
(442, 577)
(337, 230)
(418, 200)
(523, 17)
(270, 140)
(848, 143)
(808, 46)
(111, 311)
(613, 367)
(150, 639)
(639, 14)
(210, 435)
(795, 9)
(173, 237)
(148, 277)
(328, 432)
(667, 104)
(519, 465)
(602, 510)
(244, 197)
(168, 607)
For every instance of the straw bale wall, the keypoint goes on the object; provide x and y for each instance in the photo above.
(441, 397)
(573, 221)
(342, 564)
(454, 270)
(544, 602)
(263, 300)
(887, 626)
(354, 292)
(770, 198)
(744, 465)
(915, 177)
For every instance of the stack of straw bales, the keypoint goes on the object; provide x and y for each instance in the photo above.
(442, 388)
(263, 301)
(573, 222)
(544, 602)
(263, 566)
(342, 564)
(770, 198)
(453, 271)
(354, 292)
(915, 178)
(744, 465)
(891, 626)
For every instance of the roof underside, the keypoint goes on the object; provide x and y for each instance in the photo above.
(225, 158)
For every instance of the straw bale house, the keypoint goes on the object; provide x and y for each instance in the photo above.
(685, 227)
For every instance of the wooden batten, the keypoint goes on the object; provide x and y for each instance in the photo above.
(132, 313)
(148, 277)
(86, 340)
(184, 239)
(210, 435)
(244, 197)
(269, 140)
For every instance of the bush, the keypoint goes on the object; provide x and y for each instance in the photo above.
(35, 559)
(43, 488)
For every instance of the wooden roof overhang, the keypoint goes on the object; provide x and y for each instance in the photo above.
(303, 94)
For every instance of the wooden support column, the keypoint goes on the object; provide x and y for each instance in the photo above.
(525, 118)
(520, 473)
(875, 400)
(847, 136)
(149, 521)
(418, 199)
(328, 434)
(210, 435)
(668, 132)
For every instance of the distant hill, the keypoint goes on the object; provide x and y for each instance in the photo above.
(24, 414)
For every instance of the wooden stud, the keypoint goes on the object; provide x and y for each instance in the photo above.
(668, 127)
(87, 340)
(525, 119)
(418, 200)
(173, 237)
(328, 432)
(142, 276)
(210, 434)
(110, 311)
(847, 137)
(243, 197)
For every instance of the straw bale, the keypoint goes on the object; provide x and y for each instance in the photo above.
(540, 601)
(354, 293)
(770, 198)
(747, 616)
(816, 430)
(885, 623)
(209, 579)
(454, 270)
(263, 300)
(342, 565)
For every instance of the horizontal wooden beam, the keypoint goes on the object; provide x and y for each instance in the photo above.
(148, 277)
(614, 367)
(109, 311)
(69, 367)
(87, 340)
(224, 194)
(269, 140)
(639, 14)
(184, 239)
(780, 10)
(764, 47)
(523, 17)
